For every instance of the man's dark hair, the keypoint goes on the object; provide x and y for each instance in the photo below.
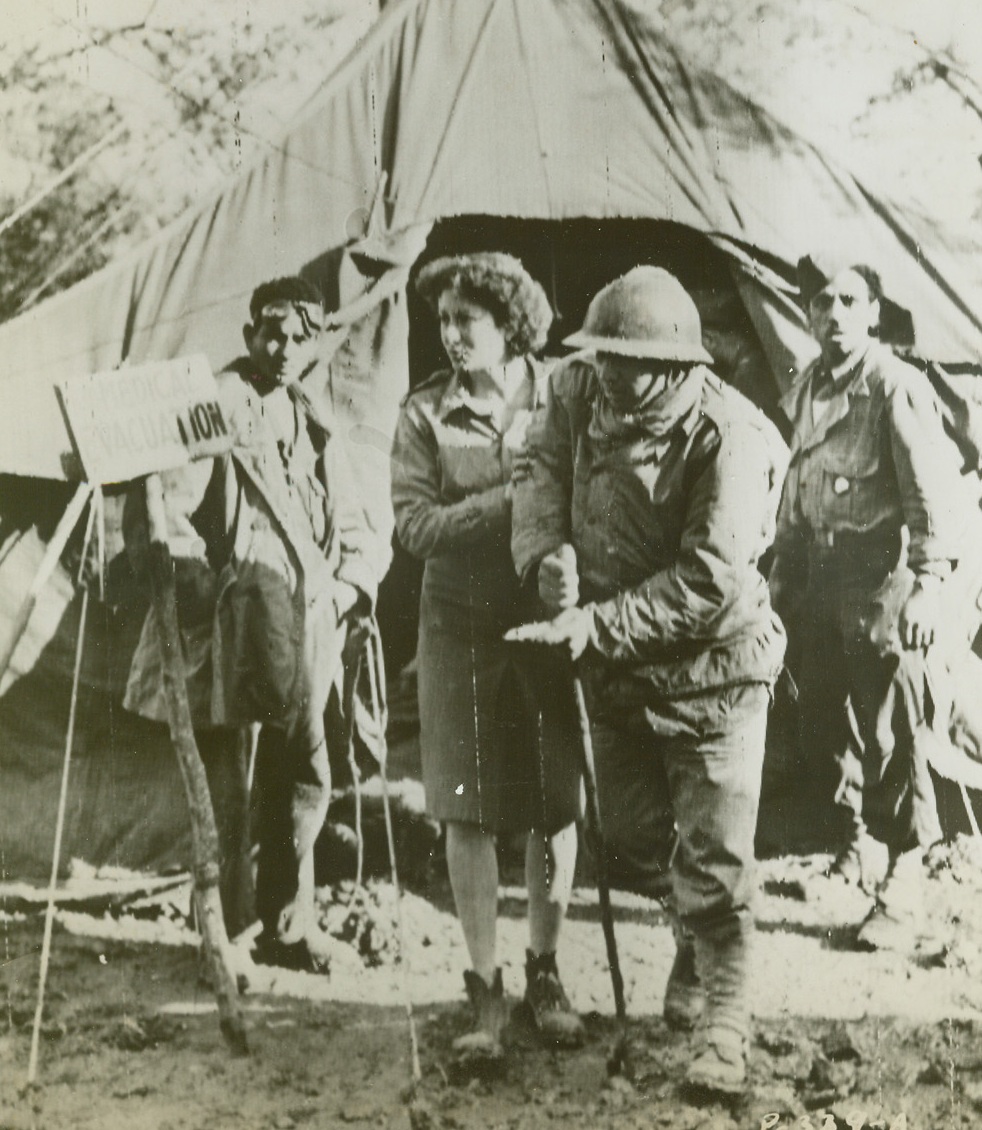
(874, 284)
(896, 326)
(290, 288)
(812, 278)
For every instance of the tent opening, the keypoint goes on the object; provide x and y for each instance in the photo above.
(573, 259)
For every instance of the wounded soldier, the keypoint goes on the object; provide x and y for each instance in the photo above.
(650, 501)
(273, 562)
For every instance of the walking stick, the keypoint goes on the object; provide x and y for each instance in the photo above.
(619, 1061)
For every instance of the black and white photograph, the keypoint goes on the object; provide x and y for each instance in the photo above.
(490, 564)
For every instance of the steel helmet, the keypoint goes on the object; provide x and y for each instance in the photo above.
(646, 314)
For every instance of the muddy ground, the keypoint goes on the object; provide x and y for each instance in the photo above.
(130, 1038)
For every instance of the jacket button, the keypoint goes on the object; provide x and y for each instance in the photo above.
(840, 485)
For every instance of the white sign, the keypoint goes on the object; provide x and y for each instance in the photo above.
(131, 421)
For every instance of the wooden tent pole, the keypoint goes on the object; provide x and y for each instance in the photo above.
(204, 833)
(49, 562)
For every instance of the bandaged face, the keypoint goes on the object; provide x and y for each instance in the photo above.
(284, 340)
(631, 384)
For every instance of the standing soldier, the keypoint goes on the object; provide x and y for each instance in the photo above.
(869, 560)
(274, 559)
(665, 482)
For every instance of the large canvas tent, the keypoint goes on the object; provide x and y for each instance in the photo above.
(560, 128)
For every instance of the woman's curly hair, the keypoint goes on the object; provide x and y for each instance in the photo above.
(501, 285)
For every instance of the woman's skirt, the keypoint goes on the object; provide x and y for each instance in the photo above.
(499, 734)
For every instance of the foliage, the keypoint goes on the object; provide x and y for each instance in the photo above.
(188, 94)
(896, 104)
(59, 229)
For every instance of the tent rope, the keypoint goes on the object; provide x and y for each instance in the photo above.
(111, 221)
(969, 810)
(376, 682)
(349, 710)
(281, 148)
(49, 913)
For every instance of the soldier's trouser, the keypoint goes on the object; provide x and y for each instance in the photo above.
(857, 711)
(696, 762)
(292, 786)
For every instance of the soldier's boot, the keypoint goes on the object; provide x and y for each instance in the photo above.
(685, 996)
(489, 1015)
(552, 1014)
(897, 919)
(723, 963)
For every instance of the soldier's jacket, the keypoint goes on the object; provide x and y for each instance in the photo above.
(669, 517)
(877, 475)
(876, 460)
(275, 527)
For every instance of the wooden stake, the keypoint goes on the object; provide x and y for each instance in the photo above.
(204, 833)
(355, 773)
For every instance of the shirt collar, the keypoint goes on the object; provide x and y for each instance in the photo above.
(457, 395)
(850, 377)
